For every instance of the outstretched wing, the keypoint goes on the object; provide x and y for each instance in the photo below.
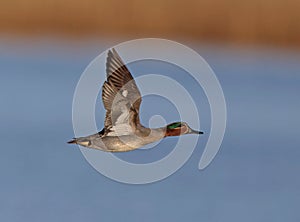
(121, 98)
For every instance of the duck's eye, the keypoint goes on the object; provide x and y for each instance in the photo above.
(174, 125)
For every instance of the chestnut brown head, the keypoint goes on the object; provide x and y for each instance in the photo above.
(180, 128)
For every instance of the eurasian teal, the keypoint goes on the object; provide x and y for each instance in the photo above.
(122, 128)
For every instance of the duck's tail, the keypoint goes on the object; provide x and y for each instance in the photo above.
(73, 141)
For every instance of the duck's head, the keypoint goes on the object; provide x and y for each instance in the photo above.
(180, 128)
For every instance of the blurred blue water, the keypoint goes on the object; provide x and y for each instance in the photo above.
(255, 176)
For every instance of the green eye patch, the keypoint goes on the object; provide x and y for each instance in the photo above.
(174, 125)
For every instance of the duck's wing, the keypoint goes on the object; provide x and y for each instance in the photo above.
(121, 98)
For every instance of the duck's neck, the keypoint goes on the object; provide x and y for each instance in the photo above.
(164, 132)
(172, 132)
(157, 133)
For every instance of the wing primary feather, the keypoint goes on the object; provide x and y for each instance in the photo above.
(120, 95)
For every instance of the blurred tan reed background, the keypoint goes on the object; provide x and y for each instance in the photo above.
(273, 22)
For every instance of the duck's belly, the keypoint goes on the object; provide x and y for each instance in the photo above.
(120, 144)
